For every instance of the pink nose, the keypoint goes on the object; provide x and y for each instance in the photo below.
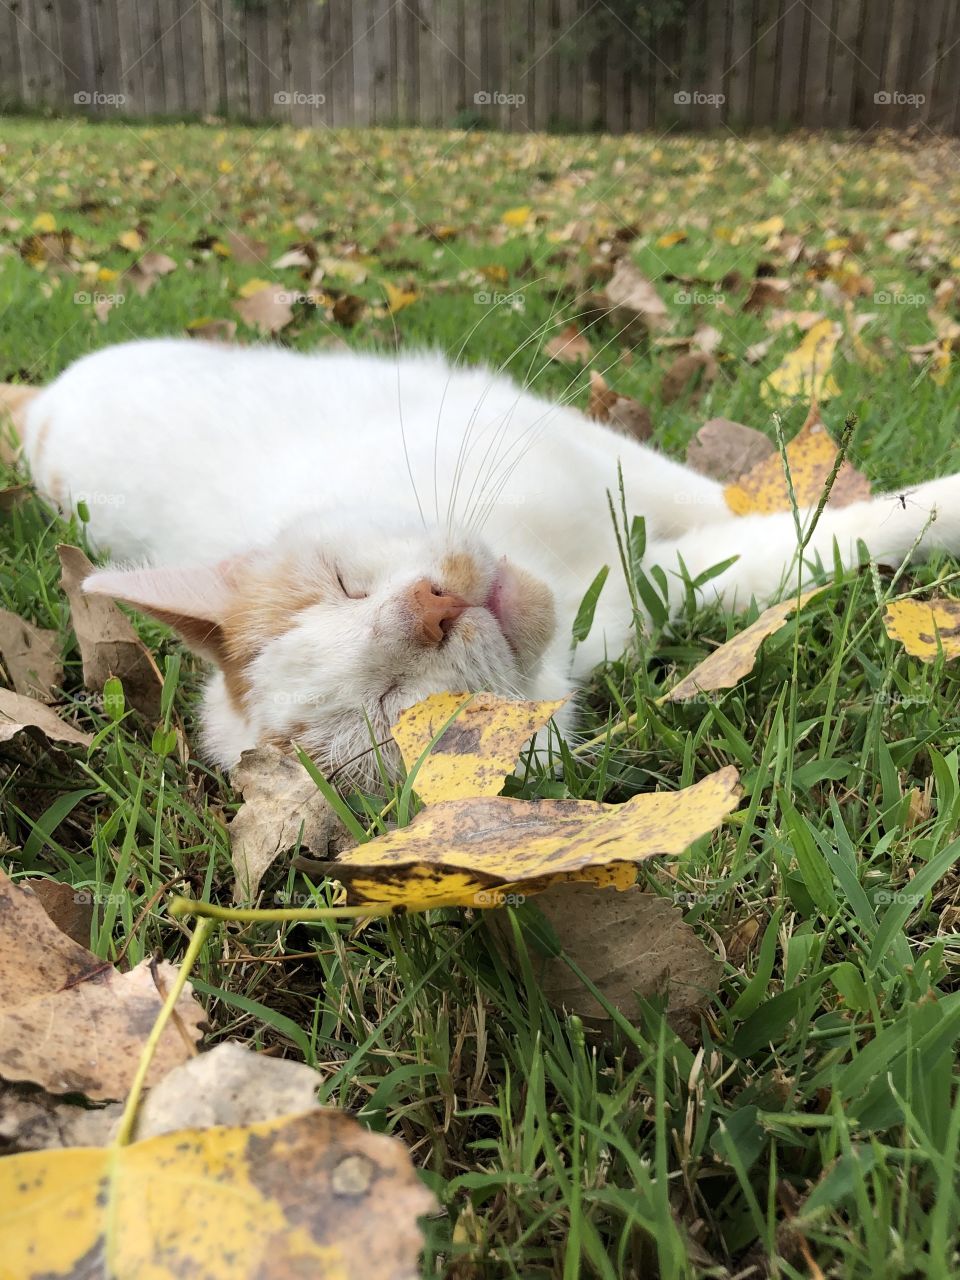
(433, 612)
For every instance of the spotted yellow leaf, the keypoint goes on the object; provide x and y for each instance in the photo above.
(465, 852)
(44, 222)
(811, 455)
(311, 1194)
(518, 217)
(805, 371)
(476, 751)
(925, 627)
(735, 658)
(398, 298)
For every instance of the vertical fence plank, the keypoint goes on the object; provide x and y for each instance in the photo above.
(792, 33)
(765, 62)
(384, 81)
(870, 66)
(11, 78)
(318, 40)
(362, 63)
(151, 58)
(816, 107)
(943, 68)
(737, 72)
(169, 13)
(472, 56)
(846, 21)
(211, 56)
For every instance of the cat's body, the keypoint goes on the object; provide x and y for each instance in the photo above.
(344, 518)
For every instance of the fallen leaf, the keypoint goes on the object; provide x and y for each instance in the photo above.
(568, 346)
(471, 852)
(811, 455)
(212, 330)
(518, 217)
(109, 645)
(281, 807)
(806, 370)
(348, 309)
(726, 450)
(245, 250)
(766, 291)
(735, 658)
(267, 309)
(131, 240)
(145, 272)
(14, 495)
(476, 751)
(397, 299)
(44, 222)
(314, 1194)
(622, 413)
(296, 257)
(71, 1022)
(802, 320)
(634, 300)
(706, 338)
(694, 367)
(30, 656)
(757, 351)
(250, 288)
(70, 909)
(629, 944)
(925, 628)
(20, 715)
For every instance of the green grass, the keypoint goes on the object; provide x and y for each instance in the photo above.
(821, 1118)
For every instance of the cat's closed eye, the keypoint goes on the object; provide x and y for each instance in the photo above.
(351, 595)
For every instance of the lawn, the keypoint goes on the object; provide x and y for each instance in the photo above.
(813, 1121)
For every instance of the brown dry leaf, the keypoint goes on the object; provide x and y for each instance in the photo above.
(811, 454)
(925, 627)
(295, 257)
(53, 248)
(30, 656)
(726, 450)
(314, 1194)
(109, 645)
(281, 807)
(568, 346)
(622, 413)
(634, 300)
(69, 1021)
(70, 909)
(268, 310)
(476, 751)
(707, 339)
(348, 309)
(14, 495)
(802, 320)
(20, 715)
(757, 351)
(212, 330)
(685, 370)
(145, 272)
(734, 659)
(766, 291)
(471, 852)
(31, 1120)
(244, 250)
(628, 943)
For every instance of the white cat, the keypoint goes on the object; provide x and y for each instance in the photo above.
(343, 534)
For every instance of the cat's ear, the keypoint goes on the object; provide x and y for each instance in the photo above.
(195, 601)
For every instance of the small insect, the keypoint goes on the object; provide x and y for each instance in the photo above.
(902, 500)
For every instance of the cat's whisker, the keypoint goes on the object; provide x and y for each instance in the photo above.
(403, 434)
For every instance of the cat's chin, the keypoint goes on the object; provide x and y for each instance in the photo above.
(524, 610)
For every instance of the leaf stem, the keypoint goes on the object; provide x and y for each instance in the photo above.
(127, 1120)
(178, 907)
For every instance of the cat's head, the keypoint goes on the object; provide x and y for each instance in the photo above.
(325, 636)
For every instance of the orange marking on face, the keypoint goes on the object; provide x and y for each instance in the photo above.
(460, 575)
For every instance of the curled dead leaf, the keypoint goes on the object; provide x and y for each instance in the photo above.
(568, 346)
(26, 716)
(726, 450)
(30, 656)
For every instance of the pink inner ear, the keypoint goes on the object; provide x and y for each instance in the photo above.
(200, 592)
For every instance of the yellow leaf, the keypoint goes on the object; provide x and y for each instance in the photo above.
(518, 217)
(811, 455)
(477, 750)
(496, 274)
(805, 372)
(44, 222)
(221, 250)
(735, 658)
(225, 166)
(770, 227)
(311, 1194)
(251, 287)
(106, 274)
(920, 624)
(131, 240)
(940, 364)
(397, 299)
(471, 852)
(670, 238)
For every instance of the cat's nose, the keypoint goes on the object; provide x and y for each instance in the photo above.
(434, 613)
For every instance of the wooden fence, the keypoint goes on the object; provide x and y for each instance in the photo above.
(515, 64)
